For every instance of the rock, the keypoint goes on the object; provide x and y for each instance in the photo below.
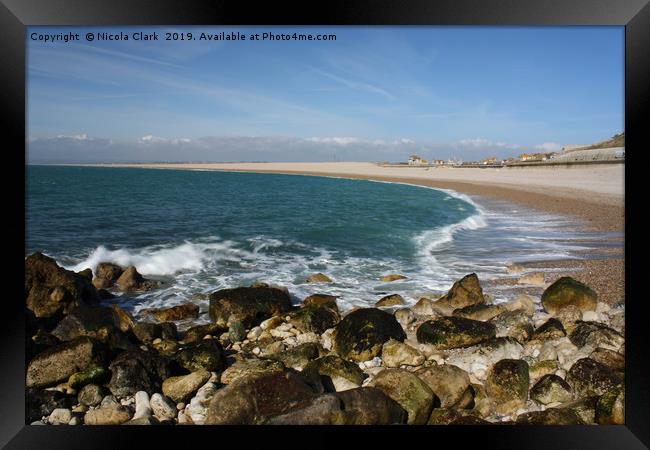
(147, 332)
(132, 281)
(147, 420)
(523, 302)
(255, 399)
(142, 405)
(60, 416)
(551, 329)
(611, 359)
(181, 388)
(137, 370)
(207, 355)
(550, 416)
(390, 300)
(92, 394)
(197, 410)
(98, 322)
(236, 330)
(314, 318)
(409, 391)
(447, 381)
(535, 278)
(514, 324)
(362, 333)
(304, 338)
(567, 291)
(569, 315)
(395, 354)
(545, 367)
(253, 367)
(454, 332)
(479, 312)
(162, 407)
(123, 319)
(321, 410)
(585, 408)
(551, 389)
(51, 290)
(610, 409)
(464, 292)
(318, 278)
(109, 400)
(405, 317)
(588, 377)
(299, 356)
(165, 347)
(106, 274)
(321, 300)
(250, 305)
(93, 374)
(178, 312)
(107, 415)
(507, 384)
(424, 307)
(334, 373)
(40, 404)
(392, 277)
(198, 332)
(59, 362)
(595, 335)
(477, 359)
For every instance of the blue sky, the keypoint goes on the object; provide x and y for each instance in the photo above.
(374, 93)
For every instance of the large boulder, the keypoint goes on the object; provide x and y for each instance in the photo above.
(395, 354)
(252, 367)
(611, 359)
(448, 382)
(550, 416)
(137, 370)
(198, 332)
(507, 384)
(98, 322)
(370, 406)
(515, 324)
(596, 334)
(178, 312)
(464, 292)
(390, 300)
(254, 400)
(321, 410)
(250, 304)
(299, 356)
(479, 311)
(362, 333)
(454, 332)
(56, 364)
(551, 389)
(409, 391)
(314, 318)
(321, 299)
(207, 354)
(588, 377)
(318, 278)
(51, 290)
(610, 409)
(181, 388)
(147, 332)
(106, 274)
(565, 292)
(132, 281)
(334, 373)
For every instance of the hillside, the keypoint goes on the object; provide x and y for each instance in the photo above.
(618, 140)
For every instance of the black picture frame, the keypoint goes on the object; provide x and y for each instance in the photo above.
(16, 15)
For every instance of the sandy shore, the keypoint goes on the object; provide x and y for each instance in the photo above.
(593, 194)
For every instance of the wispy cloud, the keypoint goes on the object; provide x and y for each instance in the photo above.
(356, 85)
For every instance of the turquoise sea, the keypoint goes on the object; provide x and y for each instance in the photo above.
(202, 230)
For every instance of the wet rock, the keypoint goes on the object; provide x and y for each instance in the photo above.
(108, 415)
(477, 359)
(523, 302)
(405, 317)
(454, 332)
(40, 404)
(424, 307)
(59, 362)
(321, 300)
(480, 312)
(362, 333)
(568, 291)
(334, 373)
(106, 274)
(610, 409)
(318, 278)
(321, 410)
(507, 384)
(314, 318)
(197, 410)
(395, 354)
(255, 399)
(162, 407)
(250, 305)
(299, 356)
(207, 355)
(551, 416)
(147, 332)
(514, 324)
(390, 300)
(93, 321)
(611, 359)
(551, 329)
(181, 388)
(132, 281)
(165, 347)
(585, 408)
(198, 332)
(392, 277)
(137, 370)
(447, 381)
(178, 312)
(551, 389)
(596, 334)
(534, 278)
(92, 394)
(369, 406)
(464, 292)
(51, 290)
(588, 377)
(253, 367)
(93, 374)
(409, 391)
(236, 330)
(569, 315)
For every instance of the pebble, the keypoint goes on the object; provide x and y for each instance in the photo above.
(157, 341)
(60, 416)
(180, 406)
(162, 407)
(254, 333)
(590, 316)
(197, 409)
(236, 347)
(257, 351)
(547, 352)
(142, 405)
(304, 338)
(208, 336)
(76, 420)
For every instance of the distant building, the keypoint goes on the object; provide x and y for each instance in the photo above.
(536, 156)
(438, 162)
(490, 160)
(415, 160)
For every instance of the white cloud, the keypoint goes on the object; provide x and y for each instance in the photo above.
(335, 140)
(151, 139)
(549, 147)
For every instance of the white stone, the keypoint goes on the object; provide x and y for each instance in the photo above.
(162, 407)
(257, 351)
(180, 406)
(304, 338)
(560, 373)
(76, 420)
(536, 353)
(157, 341)
(142, 405)
(547, 352)
(590, 316)
(254, 333)
(236, 347)
(327, 338)
(60, 416)
(197, 409)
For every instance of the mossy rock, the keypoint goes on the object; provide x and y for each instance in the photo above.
(588, 377)
(551, 416)
(314, 318)
(464, 292)
(369, 406)
(454, 332)
(321, 300)
(610, 409)
(299, 356)
(551, 389)
(94, 374)
(362, 333)
(207, 355)
(251, 305)
(197, 332)
(334, 373)
(551, 329)
(567, 291)
(479, 312)
(507, 384)
(390, 300)
(595, 334)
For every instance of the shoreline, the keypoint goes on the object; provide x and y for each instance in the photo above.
(600, 210)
